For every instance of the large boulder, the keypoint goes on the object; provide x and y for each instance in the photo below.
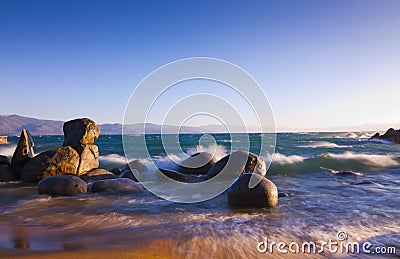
(199, 163)
(264, 194)
(96, 175)
(80, 132)
(391, 135)
(118, 185)
(238, 163)
(6, 173)
(60, 161)
(62, 185)
(89, 155)
(23, 152)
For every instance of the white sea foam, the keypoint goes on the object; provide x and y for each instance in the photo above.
(367, 159)
(324, 144)
(113, 159)
(7, 150)
(216, 151)
(281, 159)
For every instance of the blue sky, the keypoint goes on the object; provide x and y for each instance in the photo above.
(321, 63)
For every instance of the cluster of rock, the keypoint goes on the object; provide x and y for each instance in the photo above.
(390, 135)
(202, 167)
(68, 170)
(73, 169)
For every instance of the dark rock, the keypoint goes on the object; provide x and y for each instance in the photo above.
(63, 185)
(179, 177)
(80, 132)
(199, 163)
(96, 175)
(116, 171)
(283, 195)
(4, 160)
(23, 152)
(239, 163)
(135, 164)
(7, 174)
(129, 174)
(88, 158)
(264, 194)
(119, 185)
(390, 135)
(60, 161)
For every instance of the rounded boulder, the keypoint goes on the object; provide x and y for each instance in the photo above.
(62, 185)
(264, 194)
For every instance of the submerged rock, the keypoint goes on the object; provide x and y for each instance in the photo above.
(199, 163)
(129, 174)
(264, 194)
(60, 161)
(238, 163)
(62, 185)
(7, 173)
(179, 177)
(23, 152)
(97, 175)
(118, 185)
(80, 132)
(135, 164)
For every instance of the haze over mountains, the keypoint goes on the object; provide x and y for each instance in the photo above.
(11, 125)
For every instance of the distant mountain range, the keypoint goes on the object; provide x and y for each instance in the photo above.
(11, 125)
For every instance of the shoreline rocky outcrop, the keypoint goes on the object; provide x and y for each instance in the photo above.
(390, 135)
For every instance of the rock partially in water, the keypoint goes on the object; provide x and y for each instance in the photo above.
(238, 163)
(283, 195)
(23, 152)
(129, 174)
(199, 163)
(80, 132)
(135, 164)
(179, 177)
(62, 185)
(7, 173)
(60, 161)
(97, 175)
(264, 194)
(390, 135)
(4, 160)
(119, 185)
(88, 158)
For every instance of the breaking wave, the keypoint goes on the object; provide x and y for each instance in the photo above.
(345, 161)
(324, 144)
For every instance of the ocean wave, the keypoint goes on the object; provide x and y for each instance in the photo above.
(284, 160)
(346, 161)
(324, 144)
(7, 150)
(112, 159)
(381, 141)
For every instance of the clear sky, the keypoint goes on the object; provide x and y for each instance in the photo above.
(321, 63)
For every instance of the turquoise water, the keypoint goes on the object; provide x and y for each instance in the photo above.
(364, 203)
